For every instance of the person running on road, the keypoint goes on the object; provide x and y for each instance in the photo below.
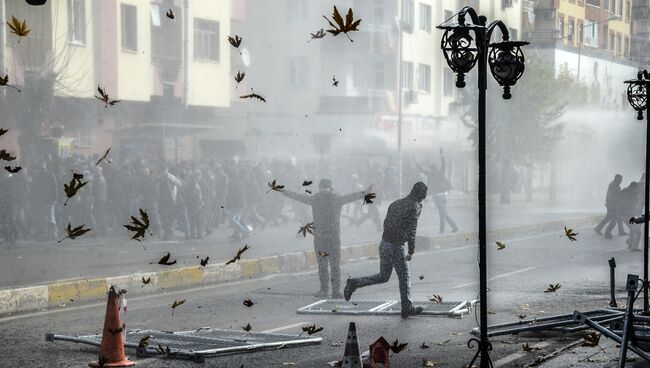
(611, 202)
(436, 177)
(326, 217)
(400, 227)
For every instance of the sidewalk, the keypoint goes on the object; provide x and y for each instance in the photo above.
(41, 275)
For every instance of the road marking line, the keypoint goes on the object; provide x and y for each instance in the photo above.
(287, 327)
(512, 357)
(497, 277)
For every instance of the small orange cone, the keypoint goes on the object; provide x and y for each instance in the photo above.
(351, 357)
(111, 351)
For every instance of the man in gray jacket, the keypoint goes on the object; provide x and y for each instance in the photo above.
(326, 214)
(400, 227)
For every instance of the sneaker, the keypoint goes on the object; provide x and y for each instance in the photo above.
(350, 287)
(337, 295)
(412, 312)
(322, 293)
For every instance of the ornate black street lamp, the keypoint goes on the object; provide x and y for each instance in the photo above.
(465, 45)
(638, 91)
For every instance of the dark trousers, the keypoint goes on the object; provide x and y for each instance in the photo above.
(441, 203)
(391, 256)
(327, 263)
(613, 218)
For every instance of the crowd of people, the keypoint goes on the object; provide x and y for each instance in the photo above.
(189, 198)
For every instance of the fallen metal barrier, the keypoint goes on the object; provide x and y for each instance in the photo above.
(390, 307)
(197, 344)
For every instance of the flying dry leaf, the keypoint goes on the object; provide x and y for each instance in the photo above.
(421, 277)
(311, 329)
(104, 157)
(237, 257)
(239, 77)
(335, 83)
(521, 316)
(527, 348)
(397, 346)
(4, 81)
(165, 260)
(424, 346)
(139, 227)
(552, 288)
(436, 298)
(319, 34)
(500, 246)
(249, 303)
(13, 170)
(2, 130)
(6, 156)
(307, 183)
(275, 186)
(144, 341)
(349, 25)
(368, 197)
(235, 42)
(570, 234)
(307, 191)
(166, 352)
(73, 187)
(308, 228)
(146, 281)
(204, 261)
(591, 340)
(74, 233)
(103, 96)
(253, 95)
(177, 303)
(247, 328)
(18, 28)
(170, 14)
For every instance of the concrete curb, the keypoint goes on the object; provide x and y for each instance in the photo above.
(61, 293)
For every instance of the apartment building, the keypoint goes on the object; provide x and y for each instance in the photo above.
(591, 38)
(169, 75)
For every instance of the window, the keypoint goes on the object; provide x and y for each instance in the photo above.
(448, 82)
(129, 27)
(627, 11)
(506, 4)
(619, 43)
(380, 77)
(627, 46)
(425, 17)
(594, 2)
(298, 71)
(619, 8)
(591, 34)
(77, 21)
(560, 25)
(379, 12)
(407, 75)
(606, 5)
(206, 39)
(424, 77)
(408, 10)
(611, 41)
(580, 35)
(570, 30)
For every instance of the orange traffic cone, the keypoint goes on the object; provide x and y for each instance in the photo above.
(111, 352)
(351, 357)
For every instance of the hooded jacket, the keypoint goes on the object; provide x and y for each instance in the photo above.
(401, 220)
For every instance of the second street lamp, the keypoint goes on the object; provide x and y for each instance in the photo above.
(637, 95)
(465, 45)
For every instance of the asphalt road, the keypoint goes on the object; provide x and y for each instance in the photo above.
(518, 274)
(34, 263)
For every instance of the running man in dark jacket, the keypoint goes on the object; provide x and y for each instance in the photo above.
(400, 227)
(613, 216)
(326, 214)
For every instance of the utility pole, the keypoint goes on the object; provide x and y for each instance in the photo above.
(400, 95)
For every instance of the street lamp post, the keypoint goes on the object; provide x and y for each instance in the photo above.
(638, 92)
(506, 62)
